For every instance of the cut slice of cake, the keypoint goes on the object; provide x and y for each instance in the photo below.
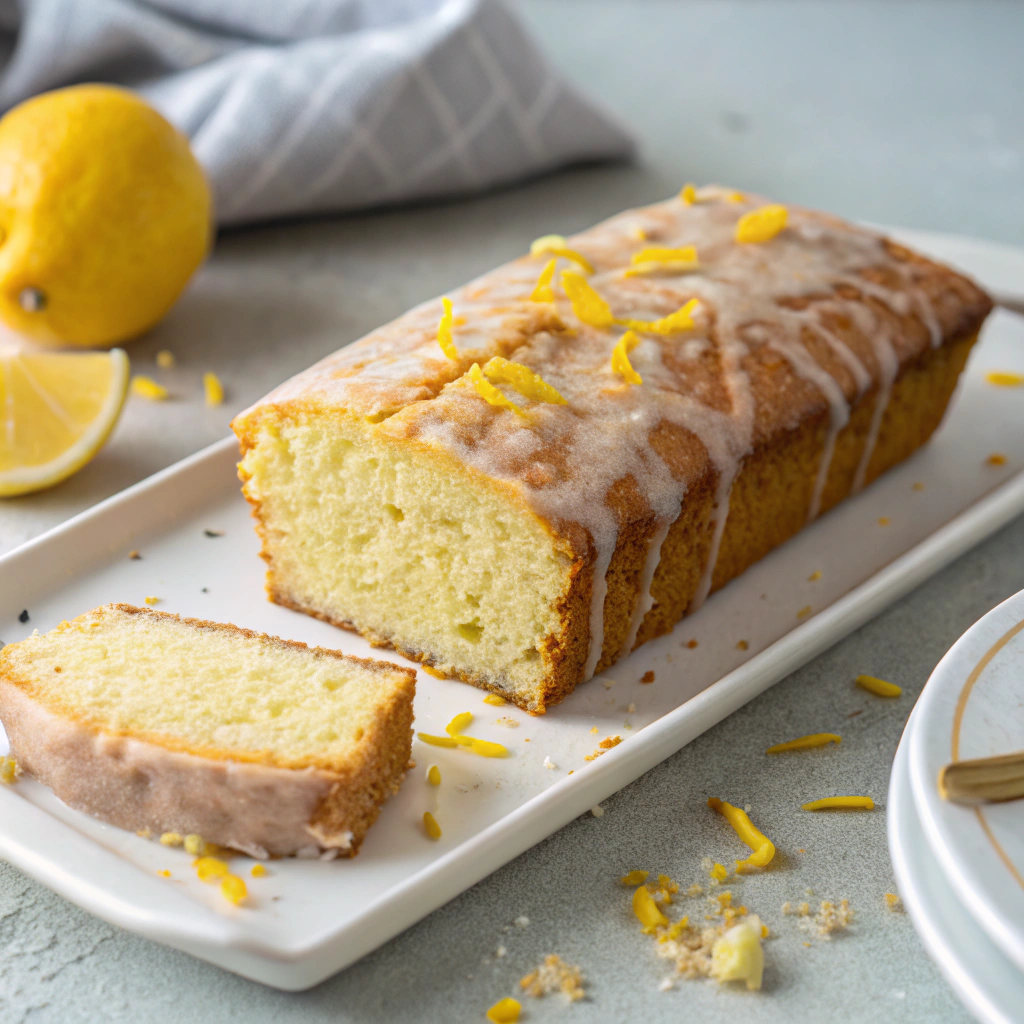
(520, 483)
(154, 722)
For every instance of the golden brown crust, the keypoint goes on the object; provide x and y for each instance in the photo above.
(865, 302)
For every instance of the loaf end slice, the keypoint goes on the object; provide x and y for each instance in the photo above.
(157, 723)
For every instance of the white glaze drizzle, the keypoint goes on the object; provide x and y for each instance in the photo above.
(565, 459)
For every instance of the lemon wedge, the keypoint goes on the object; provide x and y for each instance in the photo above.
(56, 411)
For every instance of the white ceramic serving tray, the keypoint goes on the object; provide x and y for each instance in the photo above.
(306, 920)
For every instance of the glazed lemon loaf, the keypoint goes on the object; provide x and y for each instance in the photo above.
(154, 722)
(522, 482)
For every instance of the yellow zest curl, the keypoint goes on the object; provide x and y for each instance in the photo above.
(505, 1011)
(444, 330)
(646, 910)
(542, 291)
(841, 803)
(620, 358)
(634, 878)
(437, 741)
(146, 387)
(688, 193)
(879, 687)
(761, 225)
(459, 723)
(556, 245)
(763, 847)
(233, 889)
(487, 391)
(586, 303)
(818, 739)
(523, 379)
(1002, 379)
(680, 320)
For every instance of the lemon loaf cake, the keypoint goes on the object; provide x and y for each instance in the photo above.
(154, 722)
(521, 482)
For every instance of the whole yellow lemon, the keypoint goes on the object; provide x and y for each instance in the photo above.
(104, 216)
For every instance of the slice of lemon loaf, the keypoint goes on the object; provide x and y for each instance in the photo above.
(154, 722)
(520, 483)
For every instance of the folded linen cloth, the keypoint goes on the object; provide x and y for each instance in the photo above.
(306, 106)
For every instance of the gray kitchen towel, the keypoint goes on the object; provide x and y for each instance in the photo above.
(306, 106)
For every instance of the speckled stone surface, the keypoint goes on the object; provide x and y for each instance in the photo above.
(905, 113)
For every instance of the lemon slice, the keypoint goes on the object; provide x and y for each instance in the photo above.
(56, 410)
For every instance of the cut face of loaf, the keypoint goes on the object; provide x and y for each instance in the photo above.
(153, 722)
(522, 549)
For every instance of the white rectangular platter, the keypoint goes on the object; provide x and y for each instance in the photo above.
(308, 919)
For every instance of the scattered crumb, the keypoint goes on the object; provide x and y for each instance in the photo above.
(431, 671)
(152, 600)
(884, 520)
(854, 714)
(526, 739)
(594, 730)
(826, 921)
(695, 890)
(23, 617)
(204, 590)
(10, 770)
(258, 871)
(548, 763)
(606, 744)
(164, 359)
(918, 486)
(631, 709)
(742, 645)
(144, 833)
(500, 952)
(815, 576)
(522, 921)
(135, 556)
(636, 877)
(691, 644)
(648, 676)
(508, 722)
(213, 533)
(164, 873)
(554, 975)
(893, 902)
(995, 459)
(804, 612)
(597, 811)
(608, 683)
(666, 985)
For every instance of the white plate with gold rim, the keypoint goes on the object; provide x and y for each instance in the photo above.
(973, 706)
(989, 985)
(306, 920)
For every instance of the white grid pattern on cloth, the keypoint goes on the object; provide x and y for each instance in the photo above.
(401, 100)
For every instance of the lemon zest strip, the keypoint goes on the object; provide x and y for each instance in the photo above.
(556, 245)
(634, 878)
(762, 224)
(817, 739)
(437, 741)
(523, 379)
(839, 803)
(659, 254)
(459, 723)
(504, 1011)
(620, 358)
(688, 193)
(542, 290)
(1002, 379)
(763, 847)
(588, 306)
(213, 389)
(646, 910)
(879, 687)
(146, 387)
(431, 825)
(487, 391)
(444, 330)
(680, 320)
